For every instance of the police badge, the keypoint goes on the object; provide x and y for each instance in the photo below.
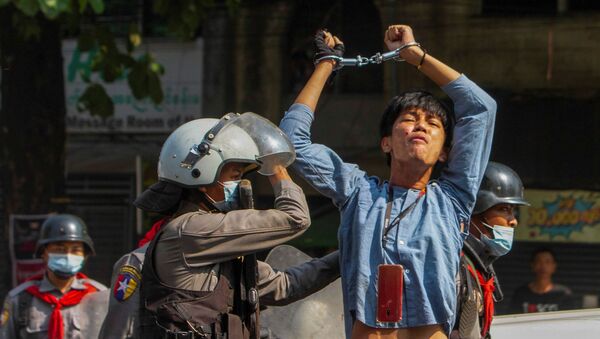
(5, 315)
(127, 282)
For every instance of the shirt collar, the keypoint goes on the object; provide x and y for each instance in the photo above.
(47, 286)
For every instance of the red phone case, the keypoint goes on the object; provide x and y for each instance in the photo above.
(389, 293)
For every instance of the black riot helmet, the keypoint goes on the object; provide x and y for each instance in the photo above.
(500, 185)
(64, 227)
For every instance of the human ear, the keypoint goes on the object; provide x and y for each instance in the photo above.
(385, 144)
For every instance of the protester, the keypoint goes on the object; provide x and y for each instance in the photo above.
(542, 294)
(490, 237)
(407, 220)
(52, 305)
(199, 276)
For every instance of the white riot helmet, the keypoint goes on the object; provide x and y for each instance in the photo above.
(194, 153)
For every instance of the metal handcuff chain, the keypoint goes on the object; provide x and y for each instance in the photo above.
(377, 58)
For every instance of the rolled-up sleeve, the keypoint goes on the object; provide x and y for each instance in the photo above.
(319, 165)
(217, 237)
(475, 113)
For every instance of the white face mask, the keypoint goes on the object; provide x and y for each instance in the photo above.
(232, 196)
(502, 241)
(65, 265)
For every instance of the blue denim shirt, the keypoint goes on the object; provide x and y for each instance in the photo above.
(428, 239)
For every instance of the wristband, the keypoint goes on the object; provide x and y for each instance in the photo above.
(422, 58)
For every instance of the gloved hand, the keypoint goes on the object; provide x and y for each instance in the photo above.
(327, 45)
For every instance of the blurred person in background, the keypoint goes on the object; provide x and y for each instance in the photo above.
(61, 303)
(542, 294)
(490, 237)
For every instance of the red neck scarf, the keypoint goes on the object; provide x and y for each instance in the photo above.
(71, 298)
(488, 301)
(152, 232)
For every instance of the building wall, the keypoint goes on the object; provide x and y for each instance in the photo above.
(541, 63)
(541, 67)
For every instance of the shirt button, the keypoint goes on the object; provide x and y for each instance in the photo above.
(407, 271)
(400, 242)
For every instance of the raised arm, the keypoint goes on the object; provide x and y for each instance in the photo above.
(327, 46)
(316, 163)
(398, 36)
(475, 113)
(210, 238)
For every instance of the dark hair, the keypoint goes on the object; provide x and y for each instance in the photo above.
(542, 250)
(415, 99)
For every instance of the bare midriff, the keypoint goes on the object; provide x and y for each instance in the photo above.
(362, 331)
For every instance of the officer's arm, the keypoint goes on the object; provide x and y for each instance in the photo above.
(8, 318)
(217, 237)
(278, 288)
(122, 310)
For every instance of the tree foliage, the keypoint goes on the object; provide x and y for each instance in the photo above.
(114, 58)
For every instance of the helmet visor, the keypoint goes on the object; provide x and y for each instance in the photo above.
(269, 145)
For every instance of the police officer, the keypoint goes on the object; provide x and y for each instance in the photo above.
(200, 278)
(62, 302)
(122, 318)
(490, 237)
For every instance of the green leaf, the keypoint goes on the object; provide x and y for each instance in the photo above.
(157, 68)
(160, 7)
(95, 100)
(126, 60)
(111, 69)
(97, 6)
(85, 42)
(28, 7)
(4, 2)
(82, 5)
(155, 88)
(137, 80)
(53, 8)
(28, 27)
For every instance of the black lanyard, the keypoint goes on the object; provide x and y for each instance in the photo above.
(401, 215)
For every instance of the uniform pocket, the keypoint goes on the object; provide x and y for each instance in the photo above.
(78, 322)
(38, 321)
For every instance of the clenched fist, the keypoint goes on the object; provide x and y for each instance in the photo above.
(328, 45)
(397, 36)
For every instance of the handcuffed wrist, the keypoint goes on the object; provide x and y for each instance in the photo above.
(334, 59)
(407, 47)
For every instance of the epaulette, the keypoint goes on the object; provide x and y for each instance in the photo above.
(97, 285)
(17, 290)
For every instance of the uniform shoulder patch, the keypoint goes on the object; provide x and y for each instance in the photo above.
(5, 315)
(97, 285)
(127, 282)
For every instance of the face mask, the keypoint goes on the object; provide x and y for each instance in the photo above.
(502, 242)
(232, 196)
(65, 265)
